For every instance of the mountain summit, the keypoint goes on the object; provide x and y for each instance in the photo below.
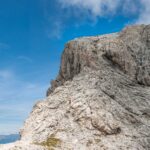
(100, 99)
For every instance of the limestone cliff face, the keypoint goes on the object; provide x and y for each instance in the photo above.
(100, 99)
(128, 49)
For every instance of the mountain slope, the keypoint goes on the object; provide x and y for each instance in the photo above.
(100, 99)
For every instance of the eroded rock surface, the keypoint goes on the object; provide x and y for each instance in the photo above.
(101, 97)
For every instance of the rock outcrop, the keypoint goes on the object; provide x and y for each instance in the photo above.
(100, 99)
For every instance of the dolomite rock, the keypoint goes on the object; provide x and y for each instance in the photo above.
(100, 99)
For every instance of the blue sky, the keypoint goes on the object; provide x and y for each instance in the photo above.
(32, 37)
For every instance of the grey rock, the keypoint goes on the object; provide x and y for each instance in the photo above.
(100, 98)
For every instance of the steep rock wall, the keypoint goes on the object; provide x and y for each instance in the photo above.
(130, 50)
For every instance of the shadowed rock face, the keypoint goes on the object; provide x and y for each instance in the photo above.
(100, 99)
(137, 42)
(129, 50)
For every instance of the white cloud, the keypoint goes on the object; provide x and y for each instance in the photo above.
(106, 8)
(56, 30)
(144, 17)
(94, 7)
(129, 7)
(90, 11)
(85, 11)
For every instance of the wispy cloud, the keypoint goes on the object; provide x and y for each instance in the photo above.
(93, 10)
(25, 58)
(130, 7)
(56, 30)
(102, 8)
(87, 11)
(94, 7)
(144, 17)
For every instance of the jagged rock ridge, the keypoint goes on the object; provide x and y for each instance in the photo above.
(129, 51)
(100, 99)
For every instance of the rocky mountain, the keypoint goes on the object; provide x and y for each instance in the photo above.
(100, 99)
(9, 138)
